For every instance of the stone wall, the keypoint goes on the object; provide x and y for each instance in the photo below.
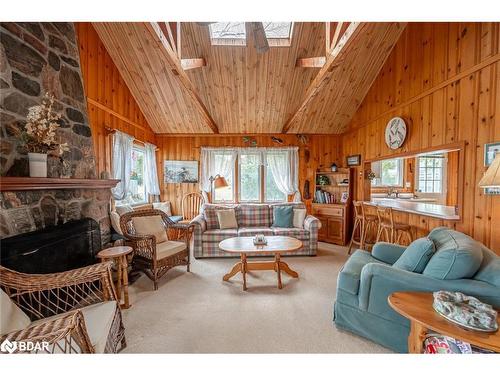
(36, 58)
(26, 211)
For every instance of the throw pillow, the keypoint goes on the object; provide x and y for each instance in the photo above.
(115, 222)
(227, 219)
(283, 217)
(416, 256)
(163, 206)
(299, 215)
(150, 225)
(12, 318)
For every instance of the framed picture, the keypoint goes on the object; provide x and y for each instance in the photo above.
(180, 171)
(490, 150)
(344, 197)
(353, 160)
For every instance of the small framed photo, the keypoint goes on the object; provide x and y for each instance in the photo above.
(490, 150)
(344, 197)
(353, 160)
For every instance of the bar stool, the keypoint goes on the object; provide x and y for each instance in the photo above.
(118, 254)
(363, 223)
(358, 225)
(370, 223)
(391, 230)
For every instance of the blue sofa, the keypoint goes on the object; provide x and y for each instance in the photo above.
(457, 263)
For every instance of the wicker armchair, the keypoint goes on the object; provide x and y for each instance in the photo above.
(58, 306)
(149, 256)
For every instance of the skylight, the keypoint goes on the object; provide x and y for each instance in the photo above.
(228, 30)
(278, 30)
(234, 33)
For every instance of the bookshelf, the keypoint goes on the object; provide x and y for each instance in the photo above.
(329, 207)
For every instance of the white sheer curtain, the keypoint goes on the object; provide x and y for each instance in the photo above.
(284, 166)
(122, 163)
(151, 174)
(216, 161)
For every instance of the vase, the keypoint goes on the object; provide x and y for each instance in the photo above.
(38, 164)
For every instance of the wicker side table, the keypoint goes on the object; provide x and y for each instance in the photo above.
(118, 254)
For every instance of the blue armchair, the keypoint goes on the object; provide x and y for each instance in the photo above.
(366, 281)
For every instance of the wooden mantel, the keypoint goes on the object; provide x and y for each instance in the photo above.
(39, 183)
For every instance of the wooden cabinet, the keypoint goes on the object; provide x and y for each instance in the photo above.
(334, 217)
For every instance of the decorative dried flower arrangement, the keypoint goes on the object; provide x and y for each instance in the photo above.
(40, 129)
(39, 136)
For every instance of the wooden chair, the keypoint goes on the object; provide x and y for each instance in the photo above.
(62, 307)
(152, 258)
(389, 229)
(190, 206)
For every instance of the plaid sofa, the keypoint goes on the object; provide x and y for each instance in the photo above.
(252, 219)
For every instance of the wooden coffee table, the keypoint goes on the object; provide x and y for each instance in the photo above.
(276, 245)
(417, 307)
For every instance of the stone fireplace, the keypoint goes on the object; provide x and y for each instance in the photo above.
(36, 58)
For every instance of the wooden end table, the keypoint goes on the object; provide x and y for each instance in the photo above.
(118, 254)
(417, 307)
(244, 246)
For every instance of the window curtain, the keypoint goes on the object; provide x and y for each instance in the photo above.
(151, 178)
(216, 161)
(284, 166)
(121, 163)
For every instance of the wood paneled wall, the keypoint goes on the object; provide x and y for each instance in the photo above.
(110, 103)
(323, 150)
(444, 79)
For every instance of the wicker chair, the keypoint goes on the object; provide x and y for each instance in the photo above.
(58, 304)
(146, 257)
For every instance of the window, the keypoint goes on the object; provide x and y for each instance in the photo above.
(224, 194)
(250, 176)
(137, 189)
(388, 172)
(430, 174)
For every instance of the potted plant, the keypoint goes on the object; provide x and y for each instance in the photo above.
(39, 136)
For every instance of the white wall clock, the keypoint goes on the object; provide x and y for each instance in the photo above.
(395, 133)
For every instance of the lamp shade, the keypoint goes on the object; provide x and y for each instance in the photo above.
(220, 182)
(491, 178)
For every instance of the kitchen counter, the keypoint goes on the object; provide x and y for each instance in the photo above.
(427, 209)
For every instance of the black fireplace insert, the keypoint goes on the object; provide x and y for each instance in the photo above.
(54, 249)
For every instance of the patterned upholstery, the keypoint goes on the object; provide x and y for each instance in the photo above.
(210, 215)
(253, 215)
(300, 234)
(252, 231)
(206, 240)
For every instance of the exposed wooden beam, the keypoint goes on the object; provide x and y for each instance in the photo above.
(311, 62)
(323, 77)
(175, 64)
(188, 64)
(362, 44)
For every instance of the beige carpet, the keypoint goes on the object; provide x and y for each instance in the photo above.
(199, 313)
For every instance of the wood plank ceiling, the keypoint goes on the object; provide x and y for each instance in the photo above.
(241, 91)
